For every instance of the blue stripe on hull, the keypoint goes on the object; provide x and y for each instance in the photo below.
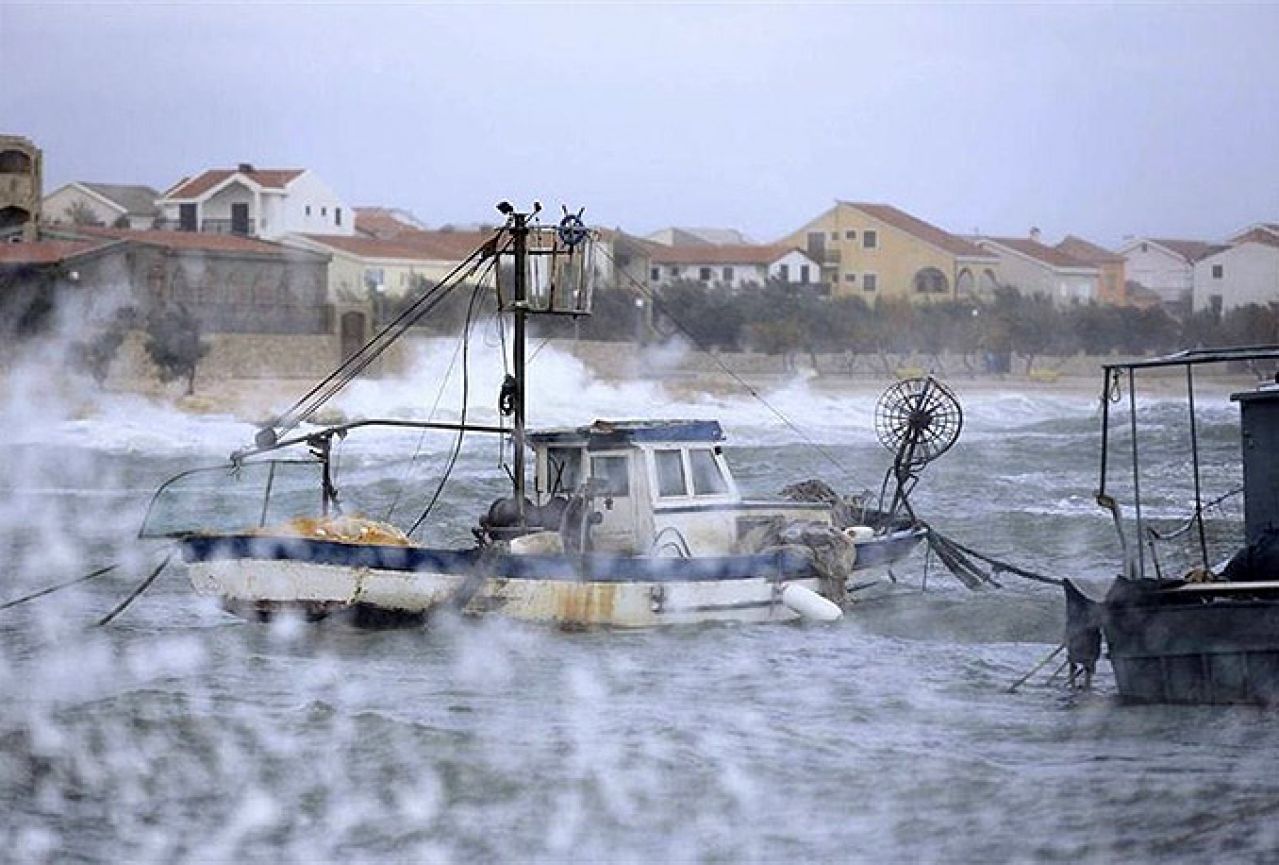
(596, 567)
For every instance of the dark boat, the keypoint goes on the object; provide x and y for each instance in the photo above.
(1211, 634)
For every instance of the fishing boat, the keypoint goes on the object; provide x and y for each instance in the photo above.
(1210, 632)
(627, 524)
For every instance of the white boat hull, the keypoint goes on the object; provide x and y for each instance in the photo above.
(261, 585)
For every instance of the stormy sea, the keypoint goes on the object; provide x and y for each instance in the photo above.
(178, 733)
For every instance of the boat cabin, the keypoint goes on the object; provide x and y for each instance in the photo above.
(652, 487)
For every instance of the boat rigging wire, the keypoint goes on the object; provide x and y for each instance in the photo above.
(463, 337)
(461, 430)
(58, 587)
(661, 307)
(323, 391)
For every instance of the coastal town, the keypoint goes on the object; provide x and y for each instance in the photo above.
(256, 257)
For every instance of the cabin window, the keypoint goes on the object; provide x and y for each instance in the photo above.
(611, 475)
(563, 470)
(670, 473)
(708, 480)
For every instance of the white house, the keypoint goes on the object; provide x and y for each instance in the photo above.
(734, 266)
(1035, 268)
(113, 204)
(1238, 275)
(683, 236)
(266, 203)
(1166, 266)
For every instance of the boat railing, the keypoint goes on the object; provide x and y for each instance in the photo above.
(233, 497)
(1120, 375)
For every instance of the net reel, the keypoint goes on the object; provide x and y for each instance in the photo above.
(561, 269)
(917, 420)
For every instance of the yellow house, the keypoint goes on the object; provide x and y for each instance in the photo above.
(362, 267)
(876, 250)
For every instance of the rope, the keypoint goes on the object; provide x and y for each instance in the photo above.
(142, 587)
(59, 587)
(958, 558)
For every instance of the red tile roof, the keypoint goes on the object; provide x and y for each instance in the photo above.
(1261, 234)
(382, 222)
(708, 254)
(1034, 249)
(271, 178)
(1089, 253)
(926, 232)
(47, 251)
(375, 247)
(196, 241)
(1190, 250)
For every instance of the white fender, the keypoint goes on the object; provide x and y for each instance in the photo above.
(810, 605)
(859, 534)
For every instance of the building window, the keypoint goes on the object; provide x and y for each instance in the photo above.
(803, 273)
(783, 272)
(1145, 247)
(834, 235)
(704, 274)
(324, 211)
(1218, 270)
(870, 239)
(728, 274)
(674, 272)
(308, 210)
(1214, 303)
(337, 216)
(870, 282)
(655, 274)
(850, 235)
(930, 280)
(850, 277)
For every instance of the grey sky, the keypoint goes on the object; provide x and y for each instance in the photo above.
(1097, 120)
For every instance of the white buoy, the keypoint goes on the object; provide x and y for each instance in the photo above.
(810, 605)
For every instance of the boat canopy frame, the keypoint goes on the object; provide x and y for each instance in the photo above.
(1113, 375)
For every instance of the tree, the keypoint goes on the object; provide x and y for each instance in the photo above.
(95, 354)
(174, 344)
(79, 213)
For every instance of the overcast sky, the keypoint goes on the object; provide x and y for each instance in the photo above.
(1096, 120)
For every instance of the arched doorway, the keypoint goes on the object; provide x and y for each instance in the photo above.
(965, 285)
(352, 327)
(930, 280)
(13, 217)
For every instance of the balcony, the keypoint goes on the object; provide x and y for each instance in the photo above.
(208, 226)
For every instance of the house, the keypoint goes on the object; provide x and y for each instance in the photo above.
(231, 284)
(1166, 266)
(876, 250)
(252, 202)
(21, 186)
(35, 275)
(1263, 231)
(114, 204)
(1034, 268)
(734, 266)
(1243, 273)
(385, 223)
(1112, 285)
(677, 236)
(371, 268)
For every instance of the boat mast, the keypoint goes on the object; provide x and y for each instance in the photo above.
(519, 235)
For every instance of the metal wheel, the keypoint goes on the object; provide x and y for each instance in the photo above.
(918, 419)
